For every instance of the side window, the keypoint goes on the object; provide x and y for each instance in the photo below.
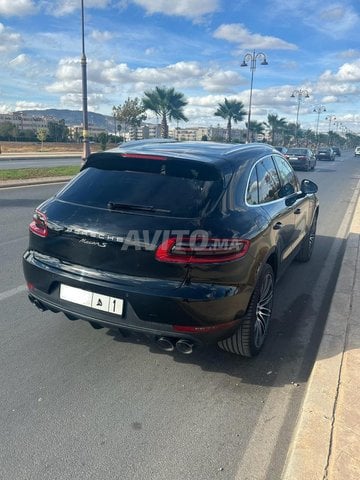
(290, 183)
(268, 181)
(252, 194)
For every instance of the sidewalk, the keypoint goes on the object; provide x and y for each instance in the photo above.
(326, 441)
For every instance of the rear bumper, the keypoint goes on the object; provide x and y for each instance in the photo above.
(325, 157)
(299, 163)
(151, 306)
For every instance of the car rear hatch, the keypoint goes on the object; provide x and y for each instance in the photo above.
(123, 209)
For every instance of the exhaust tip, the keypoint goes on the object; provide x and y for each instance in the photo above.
(37, 303)
(184, 346)
(165, 344)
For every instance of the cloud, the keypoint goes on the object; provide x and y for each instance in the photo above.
(184, 8)
(9, 41)
(222, 81)
(347, 73)
(24, 105)
(20, 60)
(240, 35)
(18, 8)
(334, 19)
(66, 7)
(102, 36)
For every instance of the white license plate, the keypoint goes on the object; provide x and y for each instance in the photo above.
(91, 299)
(293, 158)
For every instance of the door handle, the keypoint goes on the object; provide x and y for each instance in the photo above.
(297, 211)
(277, 226)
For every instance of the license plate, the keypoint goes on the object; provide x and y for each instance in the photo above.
(93, 300)
(293, 158)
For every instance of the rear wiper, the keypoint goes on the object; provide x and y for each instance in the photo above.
(128, 206)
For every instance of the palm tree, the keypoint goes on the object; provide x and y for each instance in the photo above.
(167, 104)
(230, 110)
(256, 128)
(276, 125)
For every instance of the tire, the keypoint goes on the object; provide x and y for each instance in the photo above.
(251, 333)
(307, 245)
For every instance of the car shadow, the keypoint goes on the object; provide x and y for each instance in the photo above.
(300, 311)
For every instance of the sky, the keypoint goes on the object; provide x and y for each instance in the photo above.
(196, 46)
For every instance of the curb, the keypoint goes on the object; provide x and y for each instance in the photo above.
(318, 442)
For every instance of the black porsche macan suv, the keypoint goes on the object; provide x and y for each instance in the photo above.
(182, 242)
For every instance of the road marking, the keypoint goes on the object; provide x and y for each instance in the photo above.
(275, 410)
(19, 239)
(12, 292)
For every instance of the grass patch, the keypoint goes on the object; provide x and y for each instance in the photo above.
(26, 173)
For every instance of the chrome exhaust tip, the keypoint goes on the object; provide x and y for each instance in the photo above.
(165, 344)
(184, 346)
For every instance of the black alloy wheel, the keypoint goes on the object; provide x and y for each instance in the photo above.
(251, 333)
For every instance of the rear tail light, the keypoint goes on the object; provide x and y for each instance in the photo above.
(201, 250)
(39, 224)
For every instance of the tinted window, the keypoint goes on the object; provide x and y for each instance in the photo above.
(287, 176)
(168, 194)
(268, 181)
(252, 194)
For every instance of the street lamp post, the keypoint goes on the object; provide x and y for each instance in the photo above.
(330, 118)
(300, 94)
(318, 109)
(86, 143)
(252, 57)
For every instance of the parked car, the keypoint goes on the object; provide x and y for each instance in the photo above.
(337, 151)
(282, 150)
(182, 242)
(301, 158)
(357, 151)
(325, 154)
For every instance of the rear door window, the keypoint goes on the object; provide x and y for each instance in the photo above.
(268, 181)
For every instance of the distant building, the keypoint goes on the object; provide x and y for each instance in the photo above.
(146, 130)
(26, 122)
(76, 131)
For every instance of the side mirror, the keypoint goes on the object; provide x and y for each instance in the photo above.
(308, 187)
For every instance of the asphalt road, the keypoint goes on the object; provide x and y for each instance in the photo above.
(76, 403)
(37, 162)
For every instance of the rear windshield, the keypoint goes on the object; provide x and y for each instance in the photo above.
(169, 187)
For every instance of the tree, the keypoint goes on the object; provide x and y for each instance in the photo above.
(167, 104)
(103, 139)
(41, 134)
(58, 131)
(256, 128)
(8, 131)
(130, 114)
(276, 126)
(230, 110)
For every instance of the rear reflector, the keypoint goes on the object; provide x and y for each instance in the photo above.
(207, 329)
(39, 224)
(201, 250)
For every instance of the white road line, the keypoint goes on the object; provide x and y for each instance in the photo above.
(19, 239)
(12, 292)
